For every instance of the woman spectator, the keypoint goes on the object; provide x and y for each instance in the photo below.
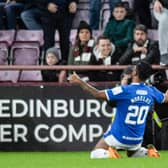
(81, 52)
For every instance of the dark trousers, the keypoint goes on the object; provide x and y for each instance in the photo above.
(142, 9)
(51, 23)
(10, 11)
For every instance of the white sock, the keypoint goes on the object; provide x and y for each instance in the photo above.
(99, 153)
(142, 152)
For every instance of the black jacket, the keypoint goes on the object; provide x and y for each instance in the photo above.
(152, 56)
(50, 75)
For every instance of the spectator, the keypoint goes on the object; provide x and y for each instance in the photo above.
(142, 10)
(95, 7)
(53, 58)
(142, 48)
(161, 14)
(120, 29)
(10, 9)
(33, 12)
(81, 52)
(105, 53)
(57, 19)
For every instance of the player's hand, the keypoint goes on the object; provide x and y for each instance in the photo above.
(74, 78)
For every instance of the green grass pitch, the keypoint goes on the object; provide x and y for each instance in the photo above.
(76, 160)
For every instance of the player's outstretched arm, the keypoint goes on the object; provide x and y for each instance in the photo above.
(75, 79)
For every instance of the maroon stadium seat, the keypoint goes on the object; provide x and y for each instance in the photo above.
(30, 76)
(9, 76)
(3, 54)
(6, 40)
(26, 47)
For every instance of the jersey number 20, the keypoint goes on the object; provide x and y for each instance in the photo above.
(136, 114)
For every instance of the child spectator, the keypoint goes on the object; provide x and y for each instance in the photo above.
(120, 29)
(53, 58)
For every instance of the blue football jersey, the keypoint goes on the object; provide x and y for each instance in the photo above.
(133, 104)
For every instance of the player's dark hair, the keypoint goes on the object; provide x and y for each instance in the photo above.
(127, 71)
(144, 70)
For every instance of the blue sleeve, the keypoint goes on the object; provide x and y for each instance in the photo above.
(115, 93)
(158, 95)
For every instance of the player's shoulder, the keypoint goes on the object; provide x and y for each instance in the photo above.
(151, 87)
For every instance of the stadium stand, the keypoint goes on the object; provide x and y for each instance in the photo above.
(25, 49)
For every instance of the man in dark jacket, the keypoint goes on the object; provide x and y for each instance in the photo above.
(142, 48)
(161, 14)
